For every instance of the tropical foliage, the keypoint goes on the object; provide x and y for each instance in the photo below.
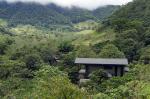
(38, 62)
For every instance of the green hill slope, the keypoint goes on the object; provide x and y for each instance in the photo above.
(137, 10)
(33, 14)
(103, 12)
(132, 25)
(47, 15)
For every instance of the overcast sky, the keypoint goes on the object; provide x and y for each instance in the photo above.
(89, 4)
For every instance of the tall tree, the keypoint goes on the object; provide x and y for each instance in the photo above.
(111, 51)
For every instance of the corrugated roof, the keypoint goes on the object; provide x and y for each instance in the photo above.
(103, 61)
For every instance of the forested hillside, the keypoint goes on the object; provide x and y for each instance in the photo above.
(51, 14)
(131, 24)
(38, 63)
(74, 14)
(104, 12)
(137, 10)
(34, 14)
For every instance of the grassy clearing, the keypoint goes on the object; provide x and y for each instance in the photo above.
(84, 37)
(92, 37)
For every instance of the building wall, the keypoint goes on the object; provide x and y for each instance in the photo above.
(111, 69)
(92, 68)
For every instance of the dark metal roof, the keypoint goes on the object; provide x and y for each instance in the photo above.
(102, 61)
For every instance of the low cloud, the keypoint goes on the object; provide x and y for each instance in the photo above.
(89, 4)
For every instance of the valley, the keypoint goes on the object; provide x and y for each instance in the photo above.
(40, 43)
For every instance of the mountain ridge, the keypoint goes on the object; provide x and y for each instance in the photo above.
(32, 13)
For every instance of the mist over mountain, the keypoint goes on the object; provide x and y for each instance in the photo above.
(87, 4)
(52, 52)
(50, 14)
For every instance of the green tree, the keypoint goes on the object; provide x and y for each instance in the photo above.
(5, 41)
(147, 37)
(68, 59)
(32, 61)
(85, 52)
(96, 79)
(111, 51)
(145, 55)
(98, 76)
(98, 46)
(47, 54)
(131, 33)
(128, 46)
(51, 83)
(70, 67)
(120, 24)
(101, 96)
(10, 68)
(65, 47)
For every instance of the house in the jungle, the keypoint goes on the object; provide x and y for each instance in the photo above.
(113, 67)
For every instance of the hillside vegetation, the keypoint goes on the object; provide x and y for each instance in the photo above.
(103, 12)
(37, 62)
(51, 14)
(137, 10)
